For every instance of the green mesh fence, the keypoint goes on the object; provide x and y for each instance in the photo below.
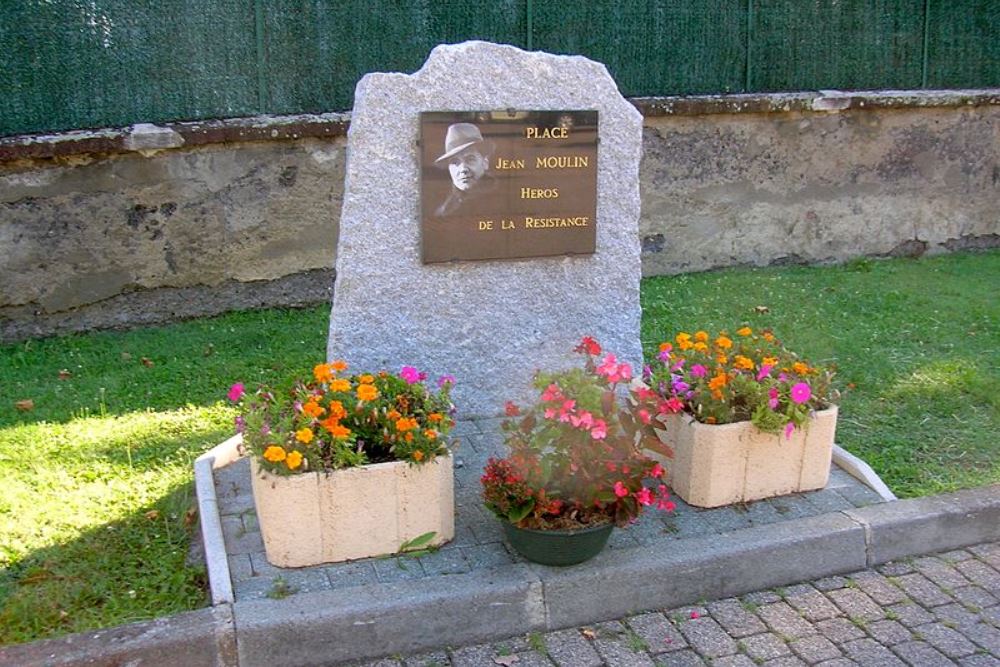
(70, 64)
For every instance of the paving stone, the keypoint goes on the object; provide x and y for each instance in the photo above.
(909, 614)
(473, 656)
(991, 615)
(568, 648)
(895, 568)
(989, 553)
(688, 524)
(735, 618)
(383, 662)
(707, 637)
(430, 659)
(726, 519)
(622, 539)
(765, 646)
(815, 649)
(921, 654)
(487, 555)
(759, 598)
(828, 500)
(530, 659)
(922, 590)
(785, 621)
(240, 567)
(518, 644)
(762, 513)
(829, 583)
(856, 604)
(398, 569)
(975, 596)
(809, 602)
(614, 646)
(979, 660)
(446, 561)
(238, 540)
(793, 507)
(738, 660)
(837, 662)
(982, 574)
(261, 568)
(658, 632)
(983, 635)
(686, 613)
(786, 661)
(941, 573)
(869, 653)
(839, 630)
(347, 575)
(878, 587)
(289, 582)
(955, 614)
(946, 640)
(889, 632)
(860, 496)
(685, 658)
(955, 556)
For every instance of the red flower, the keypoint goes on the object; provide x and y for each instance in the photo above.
(511, 409)
(589, 346)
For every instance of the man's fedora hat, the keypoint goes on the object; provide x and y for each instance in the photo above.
(459, 137)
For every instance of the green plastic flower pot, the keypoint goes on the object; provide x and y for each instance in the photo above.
(558, 547)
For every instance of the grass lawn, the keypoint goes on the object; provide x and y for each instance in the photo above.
(95, 514)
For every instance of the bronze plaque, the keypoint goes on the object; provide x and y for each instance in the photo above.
(507, 184)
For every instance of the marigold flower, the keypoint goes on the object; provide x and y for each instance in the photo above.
(681, 337)
(408, 437)
(666, 347)
(406, 424)
(274, 453)
(337, 410)
(435, 417)
(367, 392)
(393, 415)
(723, 342)
(340, 384)
(323, 372)
(743, 363)
(431, 434)
(313, 409)
(339, 431)
(418, 456)
(685, 345)
(744, 331)
(800, 368)
(769, 361)
(719, 381)
(339, 365)
(701, 347)
(304, 435)
(768, 336)
(701, 336)
(366, 379)
(293, 460)
(722, 359)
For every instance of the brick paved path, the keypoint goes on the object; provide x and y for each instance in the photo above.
(937, 610)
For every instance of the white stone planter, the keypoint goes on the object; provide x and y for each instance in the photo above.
(731, 463)
(352, 513)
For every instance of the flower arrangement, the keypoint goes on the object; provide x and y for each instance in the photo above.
(747, 377)
(576, 455)
(334, 420)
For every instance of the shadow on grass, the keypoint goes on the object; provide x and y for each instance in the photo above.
(127, 570)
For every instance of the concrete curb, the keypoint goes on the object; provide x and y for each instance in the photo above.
(216, 560)
(368, 622)
(860, 470)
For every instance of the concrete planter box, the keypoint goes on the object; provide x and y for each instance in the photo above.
(353, 513)
(732, 463)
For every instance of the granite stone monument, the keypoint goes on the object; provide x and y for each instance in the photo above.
(551, 270)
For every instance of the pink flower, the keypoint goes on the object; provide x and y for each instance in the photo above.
(600, 430)
(801, 393)
(410, 374)
(694, 614)
(699, 371)
(664, 356)
(446, 379)
(765, 371)
(550, 413)
(644, 416)
(551, 393)
(657, 472)
(789, 427)
(511, 409)
(670, 406)
(666, 505)
(236, 392)
(620, 490)
(644, 496)
(772, 400)
(608, 366)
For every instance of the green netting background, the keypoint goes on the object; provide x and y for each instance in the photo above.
(71, 64)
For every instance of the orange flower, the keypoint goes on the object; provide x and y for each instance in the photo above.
(717, 394)
(666, 347)
(800, 368)
(722, 359)
(710, 420)
(701, 336)
(408, 437)
(274, 453)
(366, 379)
(435, 417)
(682, 338)
(322, 372)
(418, 456)
(304, 435)
(745, 331)
(330, 422)
(339, 431)
(701, 347)
(431, 434)
(340, 384)
(768, 336)
(769, 361)
(337, 410)
(293, 460)
(367, 392)
(685, 345)
(339, 365)
(313, 409)
(406, 424)
(718, 382)
(723, 342)
(743, 362)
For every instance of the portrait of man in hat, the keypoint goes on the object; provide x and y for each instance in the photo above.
(467, 157)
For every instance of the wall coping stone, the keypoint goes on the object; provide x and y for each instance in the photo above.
(331, 125)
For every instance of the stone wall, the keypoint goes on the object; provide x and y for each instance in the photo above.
(118, 228)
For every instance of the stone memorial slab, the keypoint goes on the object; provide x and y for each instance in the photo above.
(491, 323)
